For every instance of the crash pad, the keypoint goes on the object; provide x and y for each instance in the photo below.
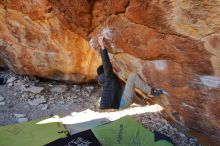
(85, 138)
(127, 132)
(33, 133)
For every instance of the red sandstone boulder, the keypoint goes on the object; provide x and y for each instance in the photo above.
(34, 41)
(182, 66)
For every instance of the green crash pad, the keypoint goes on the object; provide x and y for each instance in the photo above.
(126, 132)
(31, 133)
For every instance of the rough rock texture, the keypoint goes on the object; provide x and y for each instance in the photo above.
(173, 45)
(34, 41)
(1, 63)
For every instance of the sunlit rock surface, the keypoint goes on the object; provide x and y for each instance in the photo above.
(173, 45)
(34, 41)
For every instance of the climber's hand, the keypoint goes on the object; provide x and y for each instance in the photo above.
(101, 41)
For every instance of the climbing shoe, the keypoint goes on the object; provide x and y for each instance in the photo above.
(156, 92)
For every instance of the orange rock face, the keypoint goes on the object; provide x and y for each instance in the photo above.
(34, 41)
(172, 45)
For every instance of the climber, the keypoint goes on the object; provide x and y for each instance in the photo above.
(113, 95)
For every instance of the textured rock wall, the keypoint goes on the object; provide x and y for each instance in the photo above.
(34, 41)
(173, 45)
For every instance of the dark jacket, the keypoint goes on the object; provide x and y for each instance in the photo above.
(112, 90)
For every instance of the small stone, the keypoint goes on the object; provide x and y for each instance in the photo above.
(174, 129)
(18, 83)
(19, 115)
(2, 103)
(12, 79)
(74, 97)
(75, 86)
(32, 97)
(10, 84)
(61, 98)
(182, 135)
(34, 89)
(44, 106)
(20, 120)
(80, 100)
(37, 101)
(59, 88)
(89, 89)
(2, 98)
(26, 106)
(61, 102)
(8, 101)
(51, 102)
(37, 96)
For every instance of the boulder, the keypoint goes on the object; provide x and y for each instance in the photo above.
(34, 41)
(172, 45)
